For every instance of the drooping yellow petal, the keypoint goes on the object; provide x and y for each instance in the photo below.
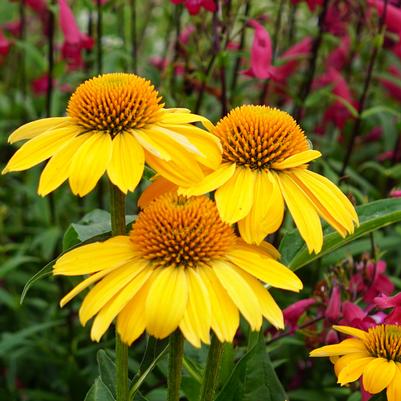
(303, 212)
(352, 331)
(268, 306)
(94, 257)
(57, 168)
(40, 148)
(150, 145)
(210, 182)
(157, 188)
(127, 162)
(85, 284)
(108, 288)
(235, 198)
(265, 269)
(240, 292)
(208, 144)
(378, 374)
(117, 303)
(341, 362)
(166, 302)
(267, 212)
(131, 320)
(197, 319)
(225, 315)
(90, 163)
(394, 389)
(37, 127)
(183, 172)
(297, 160)
(265, 248)
(354, 369)
(346, 346)
(177, 117)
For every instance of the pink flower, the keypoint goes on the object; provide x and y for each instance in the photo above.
(338, 58)
(13, 27)
(261, 53)
(354, 316)
(293, 312)
(312, 4)
(395, 193)
(74, 40)
(374, 135)
(186, 34)
(333, 309)
(40, 85)
(4, 45)
(384, 301)
(194, 6)
(393, 15)
(39, 6)
(379, 282)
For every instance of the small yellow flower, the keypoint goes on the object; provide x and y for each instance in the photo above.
(180, 267)
(265, 156)
(115, 122)
(374, 354)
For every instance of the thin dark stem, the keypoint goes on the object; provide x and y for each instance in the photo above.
(311, 68)
(291, 332)
(276, 34)
(99, 33)
(134, 43)
(361, 104)
(50, 62)
(292, 22)
(175, 365)
(237, 65)
(212, 371)
(21, 55)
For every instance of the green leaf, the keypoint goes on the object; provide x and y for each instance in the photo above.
(379, 110)
(253, 378)
(99, 392)
(107, 371)
(372, 216)
(42, 273)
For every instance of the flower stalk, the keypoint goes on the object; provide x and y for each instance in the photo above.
(175, 365)
(118, 227)
(212, 370)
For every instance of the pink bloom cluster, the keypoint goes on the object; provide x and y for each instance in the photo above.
(194, 6)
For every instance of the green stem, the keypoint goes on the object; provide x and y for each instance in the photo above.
(212, 370)
(118, 227)
(175, 365)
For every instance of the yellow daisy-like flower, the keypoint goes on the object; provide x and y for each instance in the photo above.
(115, 122)
(180, 267)
(265, 156)
(374, 354)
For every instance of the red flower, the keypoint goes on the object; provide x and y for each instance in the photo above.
(338, 58)
(194, 6)
(4, 45)
(333, 309)
(312, 4)
(393, 15)
(293, 312)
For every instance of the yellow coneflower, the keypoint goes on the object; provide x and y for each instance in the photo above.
(180, 267)
(374, 354)
(115, 122)
(265, 156)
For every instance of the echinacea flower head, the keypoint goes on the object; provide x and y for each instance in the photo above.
(180, 267)
(114, 123)
(265, 156)
(374, 354)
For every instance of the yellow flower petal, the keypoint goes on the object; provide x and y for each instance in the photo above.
(37, 127)
(265, 269)
(240, 292)
(197, 319)
(94, 257)
(354, 369)
(264, 248)
(297, 160)
(57, 168)
(211, 181)
(268, 306)
(225, 315)
(150, 145)
(208, 144)
(378, 374)
(341, 362)
(303, 212)
(108, 288)
(131, 321)
(117, 303)
(166, 302)
(267, 212)
(235, 198)
(394, 388)
(90, 163)
(127, 162)
(180, 118)
(40, 148)
(157, 188)
(346, 346)
(352, 331)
